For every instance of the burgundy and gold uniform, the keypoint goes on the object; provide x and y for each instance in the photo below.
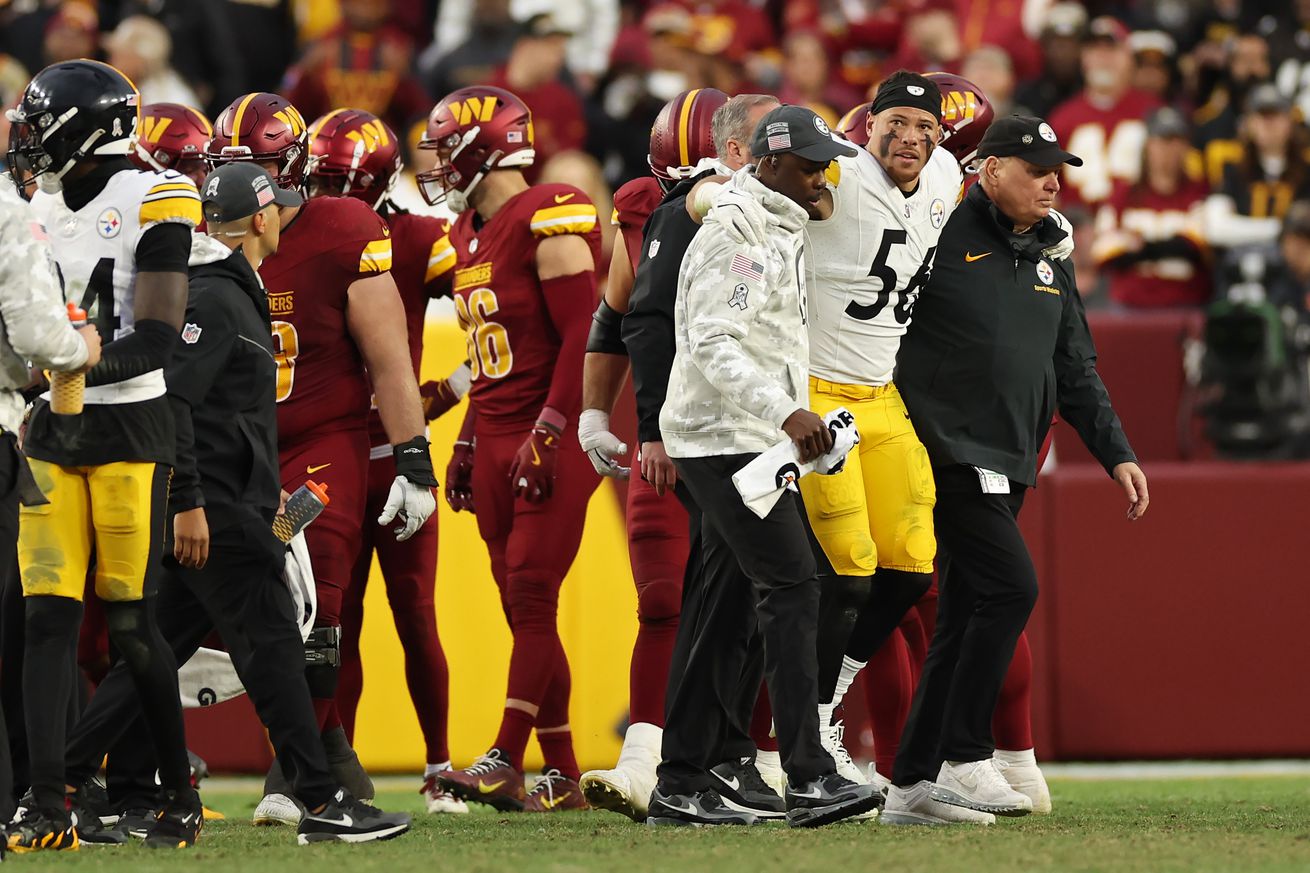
(1170, 268)
(633, 204)
(1108, 139)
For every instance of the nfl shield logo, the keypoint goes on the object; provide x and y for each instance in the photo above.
(191, 333)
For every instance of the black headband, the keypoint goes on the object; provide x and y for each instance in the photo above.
(910, 94)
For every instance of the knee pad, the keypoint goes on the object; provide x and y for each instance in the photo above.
(916, 541)
(659, 600)
(129, 631)
(323, 648)
(322, 681)
(47, 618)
(532, 599)
(851, 552)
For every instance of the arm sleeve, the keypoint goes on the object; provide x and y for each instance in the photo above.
(1224, 227)
(648, 325)
(1082, 398)
(31, 301)
(190, 376)
(716, 329)
(569, 302)
(438, 279)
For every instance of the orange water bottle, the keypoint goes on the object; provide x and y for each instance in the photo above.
(302, 507)
(67, 389)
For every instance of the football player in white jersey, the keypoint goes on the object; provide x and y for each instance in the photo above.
(121, 237)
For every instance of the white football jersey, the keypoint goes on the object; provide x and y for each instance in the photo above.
(869, 261)
(95, 246)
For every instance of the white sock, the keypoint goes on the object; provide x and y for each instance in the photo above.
(850, 668)
(1021, 756)
(825, 715)
(431, 770)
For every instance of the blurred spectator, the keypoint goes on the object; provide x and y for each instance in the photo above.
(1062, 76)
(1154, 58)
(1246, 65)
(13, 80)
(862, 34)
(140, 47)
(363, 64)
(1148, 239)
(533, 74)
(735, 44)
(931, 41)
(1273, 170)
(807, 79)
(1292, 287)
(73, 32)
(267, 46)
(990, 69)
(206, 50)
(1289, 45)
(1103, 125)
(451, 64)
(1003, 23)
(22, 26)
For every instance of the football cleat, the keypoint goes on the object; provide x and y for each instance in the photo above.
(136, 820)
(347, 820)
(278, 809)
(43, 830)
(554, 792)
(978, 785)
(87, 822)
(833, 739)
(698, 809)
(490, 780)
(742, 788)
(626, 789)
(439, 800)
(178, 825)
(345, 767)
(915, 806)
(828, 799)
(1024, 776)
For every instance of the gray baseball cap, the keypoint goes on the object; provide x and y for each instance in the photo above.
(799, 131)
(238, 190)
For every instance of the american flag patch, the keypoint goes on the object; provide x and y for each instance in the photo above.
(514, 136)
(780, 142)
(744, 266)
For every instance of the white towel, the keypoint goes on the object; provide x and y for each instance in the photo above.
(209, 677)
(761, 482)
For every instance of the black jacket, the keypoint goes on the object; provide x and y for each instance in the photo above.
(222, 385)
(999, 340)
(648, 325)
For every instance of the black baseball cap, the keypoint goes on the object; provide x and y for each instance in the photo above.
(1167, 122)
(1027, 137)
(798, 131)
(238, 190)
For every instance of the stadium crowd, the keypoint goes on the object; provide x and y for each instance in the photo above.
(521, 125)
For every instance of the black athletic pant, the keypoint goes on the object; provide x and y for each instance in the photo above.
(771, 582)
(11, 612)
(983, 605)
(240, 593)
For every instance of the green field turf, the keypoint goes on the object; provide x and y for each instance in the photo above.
(1195, 825)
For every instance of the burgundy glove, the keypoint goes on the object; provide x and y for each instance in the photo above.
(438, 398)
(532, 472)
(459, 477)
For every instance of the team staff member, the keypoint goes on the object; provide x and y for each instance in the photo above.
(999, 341)
(223, 564)
(33, 327)
(736, 387)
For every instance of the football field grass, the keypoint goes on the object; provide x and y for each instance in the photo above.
(1195, 825)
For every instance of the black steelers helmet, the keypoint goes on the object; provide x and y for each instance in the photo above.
(68, 112)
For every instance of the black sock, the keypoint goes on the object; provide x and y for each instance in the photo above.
(154, 674)
(841, 601)
(49, 656)
(894, 592)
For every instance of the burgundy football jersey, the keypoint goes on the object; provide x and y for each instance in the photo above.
(1182, 280)
(512, 345)
(1109, 140)
(321, 383)
(633, 204)
(422, 261)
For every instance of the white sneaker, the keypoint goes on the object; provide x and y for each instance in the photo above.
(1024, 776)
(627, 788)
(915, 806)
(877, 780)
(440, 801)
(979, 785)
(278, 809)
(832, 737)
(770, 766)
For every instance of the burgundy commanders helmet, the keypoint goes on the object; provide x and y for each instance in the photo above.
(682, 136)
(474, 131)
(854, 125)
(352, 153)
(966, 115)
(264, 128)
(172, 137)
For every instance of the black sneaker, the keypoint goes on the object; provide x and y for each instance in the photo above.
(179, 823)
(828, 799)
(741, 787)
(350, 821)
(135, 821)
(87, 819)
(42, 830)
(698, 809)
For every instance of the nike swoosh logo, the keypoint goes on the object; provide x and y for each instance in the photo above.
(310, 471)
(688, 809)
(969, 257)
(815, 793)
(563, 198)
(732, 783)
(551, 804)
(344, 820)
(445, 227)
(487, 789)
(536, 458)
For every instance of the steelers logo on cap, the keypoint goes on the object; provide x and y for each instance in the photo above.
(821, 126)
(1045, 132)
(916, 90)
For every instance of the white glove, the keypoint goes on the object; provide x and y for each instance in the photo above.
(603, 448)
(734, 220)
(411, 503)
(1064, 248)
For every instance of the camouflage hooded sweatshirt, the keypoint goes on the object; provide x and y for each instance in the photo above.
(741, 366)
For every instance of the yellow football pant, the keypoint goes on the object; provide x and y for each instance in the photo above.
(877, 512)
(118, 509)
